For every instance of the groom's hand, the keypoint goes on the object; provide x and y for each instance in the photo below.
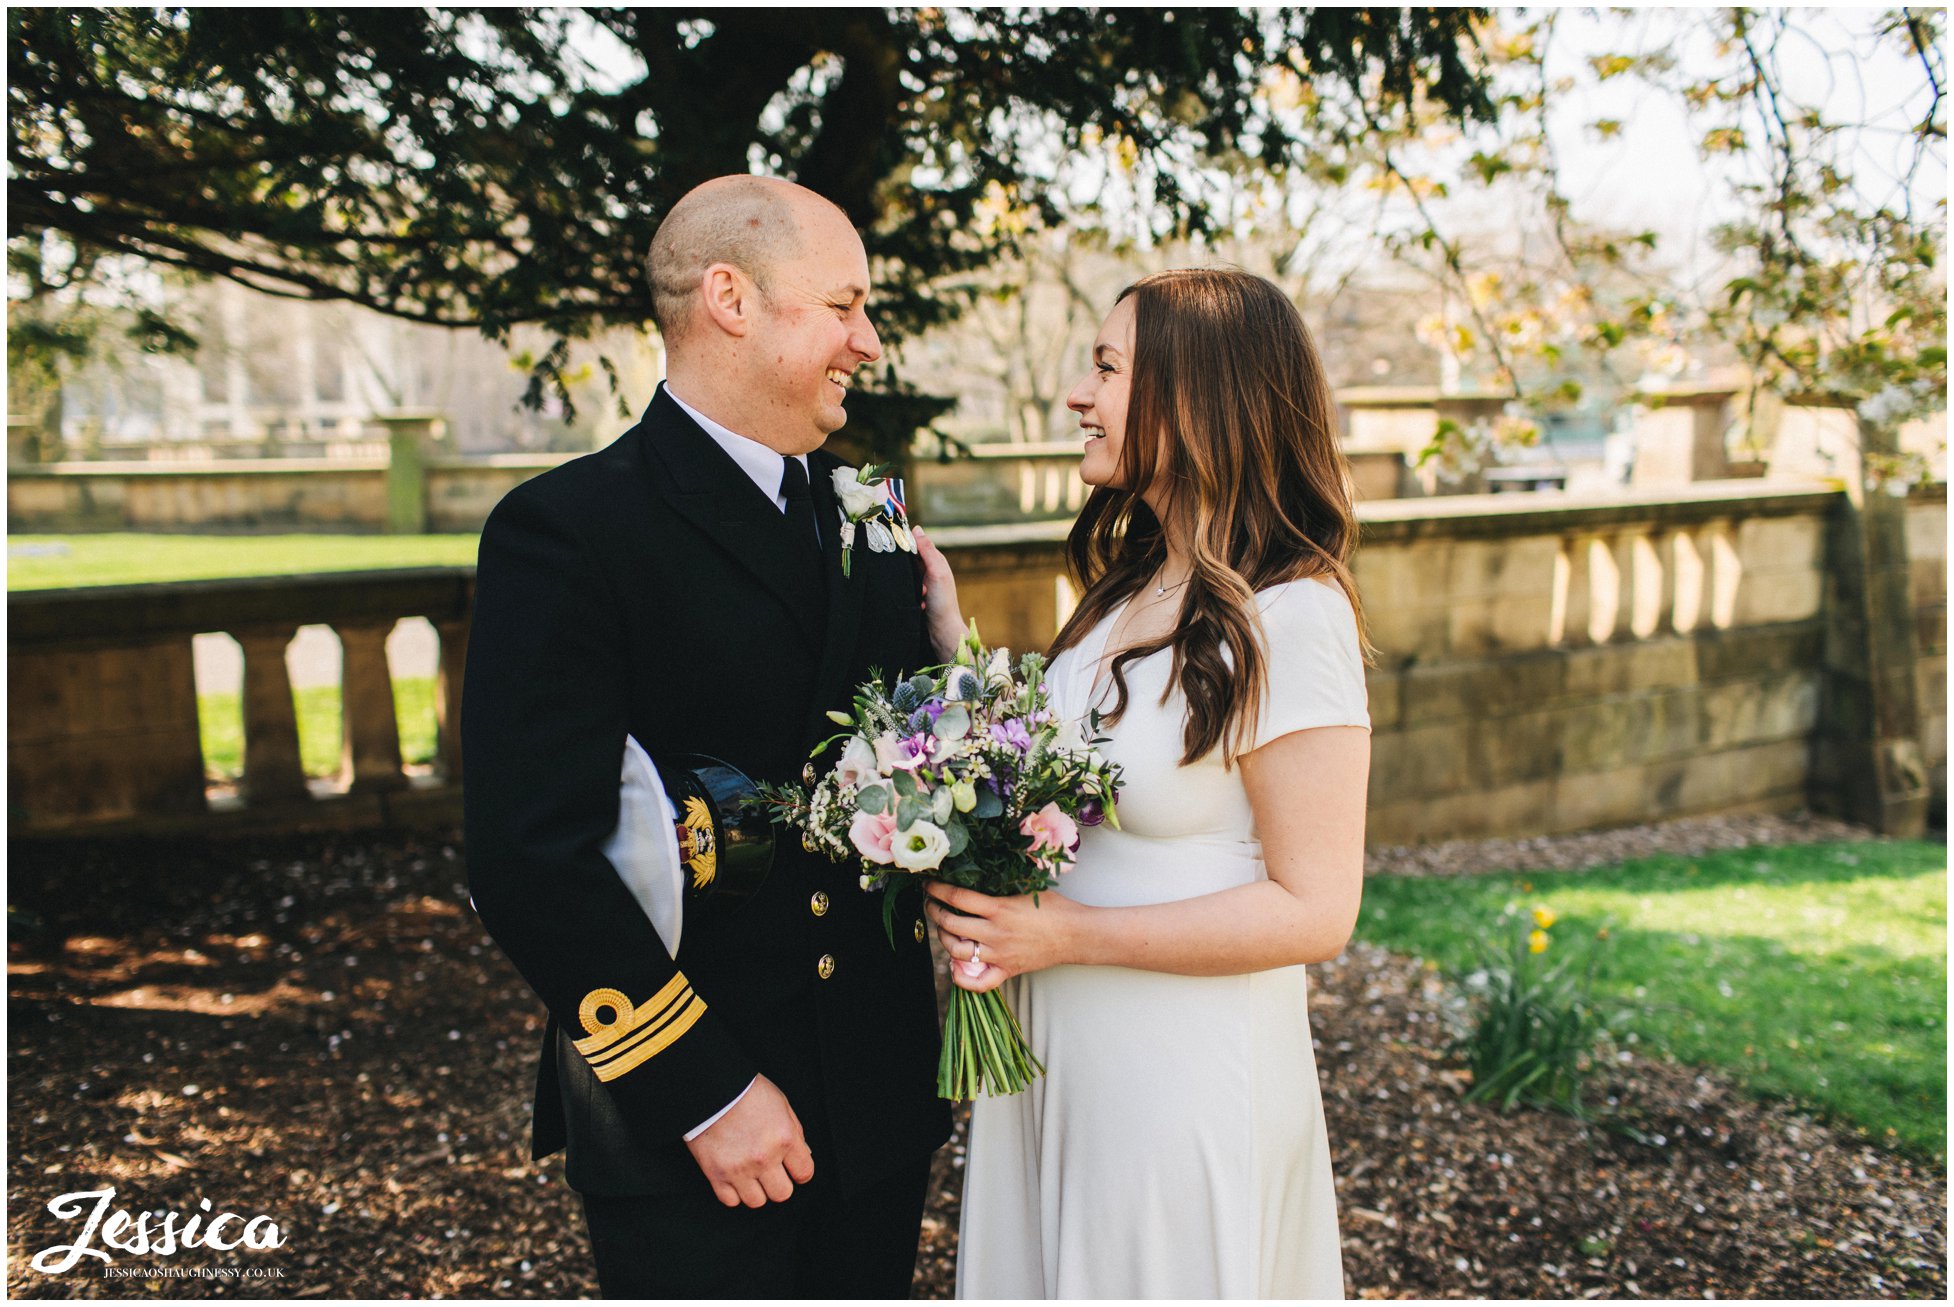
(756, 1153)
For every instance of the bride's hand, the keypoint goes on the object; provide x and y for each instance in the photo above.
(1005, 936)
(941, 612)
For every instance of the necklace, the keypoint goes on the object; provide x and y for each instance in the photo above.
(1160, 591)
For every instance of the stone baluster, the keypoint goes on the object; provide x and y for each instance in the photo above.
(1573, 591)
(1725, 573)
(371, 733)
(1647, 586)
(1686, 588)
(272, 767)
(1614, 601)
(447, 698)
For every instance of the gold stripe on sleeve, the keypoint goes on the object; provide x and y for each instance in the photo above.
(656, 1044)
(603, 1035)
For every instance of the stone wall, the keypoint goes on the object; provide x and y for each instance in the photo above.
(455, 494)
(1543, 664)
(1926, 536)
(1547, 669)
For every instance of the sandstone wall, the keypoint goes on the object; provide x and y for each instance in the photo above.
(1543, 663)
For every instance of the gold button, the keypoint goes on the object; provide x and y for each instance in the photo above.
(919, 932)
(826, 966)
(818, 905)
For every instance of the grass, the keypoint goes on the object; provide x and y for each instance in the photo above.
(221, 718)
(1816, 972)
(43, 562)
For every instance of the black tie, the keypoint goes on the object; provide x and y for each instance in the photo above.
(800, 505)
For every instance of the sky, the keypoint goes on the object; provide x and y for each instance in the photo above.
(1653, 174)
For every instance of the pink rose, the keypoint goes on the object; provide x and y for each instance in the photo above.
(1050, 831)
(872, 833)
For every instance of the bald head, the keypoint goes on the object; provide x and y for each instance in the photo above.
(752, 223)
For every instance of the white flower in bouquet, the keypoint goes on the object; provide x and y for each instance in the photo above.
(858, 764)
(921, 847)
(856, 499)
(1070, 737)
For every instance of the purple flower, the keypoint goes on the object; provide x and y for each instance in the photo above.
(1012, 733)
(1090, 813)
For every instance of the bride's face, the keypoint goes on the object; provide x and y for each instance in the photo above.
(1101, 396)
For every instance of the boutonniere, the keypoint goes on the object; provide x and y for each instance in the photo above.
(872, 500)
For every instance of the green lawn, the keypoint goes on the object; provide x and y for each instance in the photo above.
(39, 562)
(1818, 972)
(221, 717)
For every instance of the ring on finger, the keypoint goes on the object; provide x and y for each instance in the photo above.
(976, 952)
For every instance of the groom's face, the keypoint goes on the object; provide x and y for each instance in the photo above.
(812, 333)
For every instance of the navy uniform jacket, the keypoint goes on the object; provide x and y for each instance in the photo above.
(651, 589)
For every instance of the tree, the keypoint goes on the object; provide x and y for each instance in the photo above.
(493, 167)
(1830, 284)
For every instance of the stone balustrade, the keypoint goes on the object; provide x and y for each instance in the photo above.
(103, 711)
(1542, 664)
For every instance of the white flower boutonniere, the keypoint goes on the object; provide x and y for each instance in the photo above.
(873, 500)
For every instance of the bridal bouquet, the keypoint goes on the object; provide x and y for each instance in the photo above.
(963, 773)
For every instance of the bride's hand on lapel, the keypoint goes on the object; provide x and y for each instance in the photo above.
(941, 612)
(990, 940)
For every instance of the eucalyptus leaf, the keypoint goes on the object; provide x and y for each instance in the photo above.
(905, 784)
(959, 838)
(988, 804)
(942, 804)
(908, 813)
(873, 800)
(954, 724)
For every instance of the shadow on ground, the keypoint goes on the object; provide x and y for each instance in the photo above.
(317, 1030)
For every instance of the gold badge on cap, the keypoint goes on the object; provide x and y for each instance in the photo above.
(695, 846)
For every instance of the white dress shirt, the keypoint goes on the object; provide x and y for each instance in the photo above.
(764, 465)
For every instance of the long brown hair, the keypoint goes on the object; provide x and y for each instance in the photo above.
(1230, 405)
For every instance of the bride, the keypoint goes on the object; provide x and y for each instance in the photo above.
(1176, 1146)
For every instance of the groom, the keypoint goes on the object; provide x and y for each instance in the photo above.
(755, 1116)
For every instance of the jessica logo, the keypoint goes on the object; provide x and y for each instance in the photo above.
(137, 1235)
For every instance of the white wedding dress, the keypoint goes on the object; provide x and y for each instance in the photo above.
(1175, 1147)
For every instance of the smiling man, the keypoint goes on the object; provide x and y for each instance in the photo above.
(754, 1116)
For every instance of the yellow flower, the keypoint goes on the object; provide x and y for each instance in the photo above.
(1544, 917)
(1537, 942)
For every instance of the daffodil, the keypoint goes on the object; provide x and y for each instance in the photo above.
(1537, 942)
(1544, 918)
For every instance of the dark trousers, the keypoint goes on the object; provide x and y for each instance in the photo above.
(818, 1244)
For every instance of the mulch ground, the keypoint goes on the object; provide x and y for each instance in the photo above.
(316, 1029)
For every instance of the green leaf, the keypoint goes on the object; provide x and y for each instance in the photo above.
(959, 838)
(942, 804)
(905, 784)
(954, 724)
(909, 812)
(988, 804)
(873, 800)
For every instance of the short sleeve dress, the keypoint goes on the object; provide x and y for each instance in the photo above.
(1175, 1147)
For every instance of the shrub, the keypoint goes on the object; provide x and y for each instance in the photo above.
(1534, 1022)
